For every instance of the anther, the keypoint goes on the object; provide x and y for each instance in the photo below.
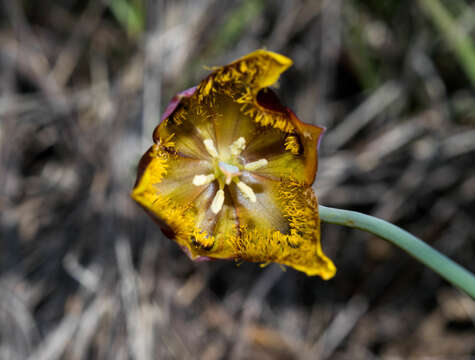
(238, 146)
(200, 180)
(217, 202)
(247, 191)
(255, 164)
(209, 145)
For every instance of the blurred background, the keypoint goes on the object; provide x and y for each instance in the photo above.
(84, 272)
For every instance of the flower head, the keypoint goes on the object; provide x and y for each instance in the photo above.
(229, 175)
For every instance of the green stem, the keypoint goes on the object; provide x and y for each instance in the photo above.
(449, 270)
(453, 34)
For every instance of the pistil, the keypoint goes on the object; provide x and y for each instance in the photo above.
(226, 171)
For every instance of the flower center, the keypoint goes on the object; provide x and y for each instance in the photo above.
(227, 169)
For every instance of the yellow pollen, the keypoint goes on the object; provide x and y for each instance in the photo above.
(238, 146)
(247, 191)
(200, 180)
(255, 165)
(210, 148)
(217, 202)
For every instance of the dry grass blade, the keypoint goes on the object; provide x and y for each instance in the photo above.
(85, 274)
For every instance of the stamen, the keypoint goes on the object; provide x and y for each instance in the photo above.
(209, 145)
(217, 202)
(238, 146)
(256, 164)
(200, 180)
(247, 191)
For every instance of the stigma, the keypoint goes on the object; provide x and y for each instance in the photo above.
(228, 169)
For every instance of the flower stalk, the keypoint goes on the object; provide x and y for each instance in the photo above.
(230, 171)
(442, 265)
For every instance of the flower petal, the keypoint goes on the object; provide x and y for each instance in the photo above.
(183, 210)
(176, 101)
(246, 81)
(289, 231)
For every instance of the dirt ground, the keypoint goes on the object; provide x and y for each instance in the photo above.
(85, 273)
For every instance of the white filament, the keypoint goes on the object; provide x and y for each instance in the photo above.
(200, 180)
(238, 146)
(247, 191)
(210, 148)
(255, 164)
(217, 202)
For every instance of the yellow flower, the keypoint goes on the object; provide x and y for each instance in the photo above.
(229, 175)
